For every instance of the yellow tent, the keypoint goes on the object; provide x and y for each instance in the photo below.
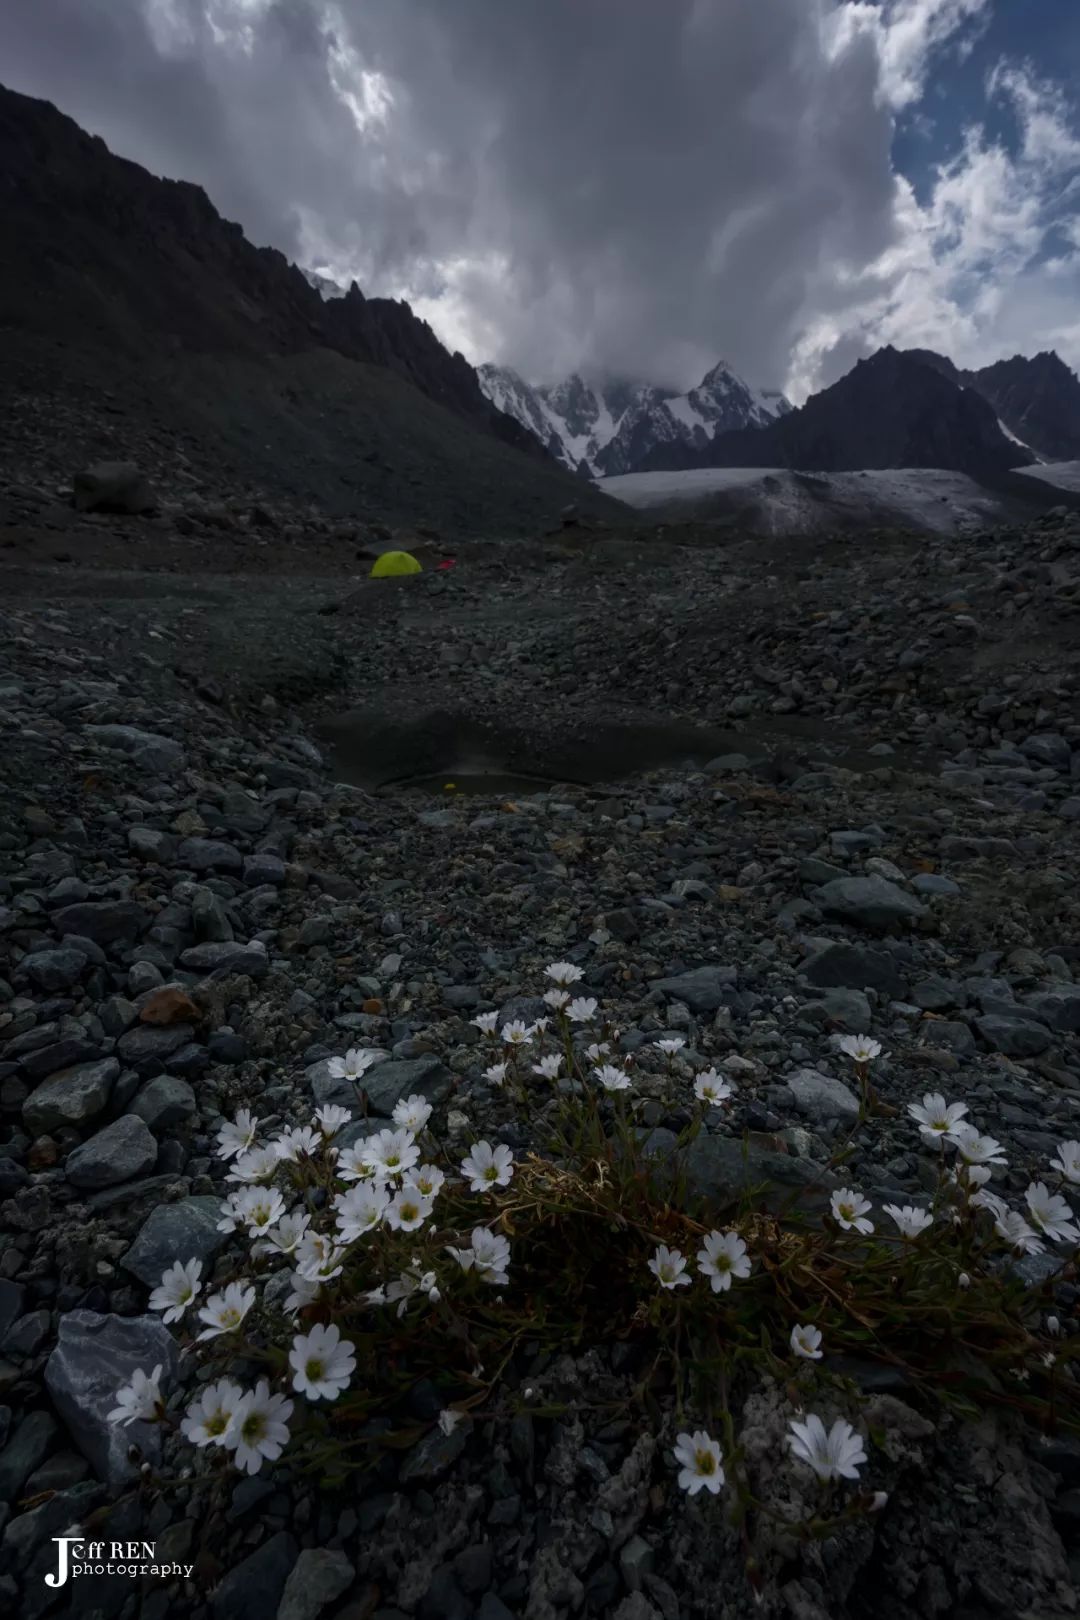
(392, 563)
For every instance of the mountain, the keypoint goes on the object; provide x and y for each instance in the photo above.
(325, 286)
(611, 426)
(113, 278)
(1037, 400)
(893, 410)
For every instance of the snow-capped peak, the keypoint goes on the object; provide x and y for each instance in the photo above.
(608, 426)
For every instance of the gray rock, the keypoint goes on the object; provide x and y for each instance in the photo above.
(94, 1356)
(1048, 748)
(26, 1450)
(252, 1589)
(859, 967)
(1016, 1037)
(931, 883)
(113, 486)
(434, 1455)
(869, 902)
(151, 1044)
(263, 868)
(106, 922)
(121, 1151)
(951, 1034)
(165, 1101)
(208, 855)
(720, 1169)
(319, 1576)
(54, 969)
(702, 989)
(183, 1231)
(847, 1007)
(1060, 1008)
(147, 750)
(150, 844)
(387, 1083)
(225, 957)
(819, 1097)
(70, 1097)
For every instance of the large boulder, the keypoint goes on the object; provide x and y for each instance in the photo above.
(702, 989)
(113, 486)
(124, 1149)
(184, 1231)
(71, 1097)
(149, 750)
(94, 1356)
(869, 902)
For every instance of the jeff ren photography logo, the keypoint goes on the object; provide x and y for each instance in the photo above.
(132, 1559)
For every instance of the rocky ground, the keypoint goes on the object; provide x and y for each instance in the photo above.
(870, 821)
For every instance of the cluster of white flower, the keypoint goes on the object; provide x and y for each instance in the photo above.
(377, 1182)
(721, 1257)
(836, 1453)
(1047, 1217)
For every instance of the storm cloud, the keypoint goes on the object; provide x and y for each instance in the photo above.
(621, 185)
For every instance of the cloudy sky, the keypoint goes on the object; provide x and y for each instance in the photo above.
(631, 186)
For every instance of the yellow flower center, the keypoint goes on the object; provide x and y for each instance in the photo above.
(705, 1462)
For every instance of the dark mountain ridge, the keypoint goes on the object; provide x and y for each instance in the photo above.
(892, 410)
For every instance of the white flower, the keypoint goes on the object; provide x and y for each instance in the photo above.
(710, 1087)
(488, 1254)
(257, 1164)
(516, 1032)
(963, 1281)
(224, 1312)
(722, 1257)
(612, 1078)
(700, 1466)
(671, 1044)
(260, 1427)
(564, 973)
(485, 1022)
(427, 1179)
(1053, 1324)
(1017, 1233)
(449, 1419)
(390, 1153)
(849, 1210)
(412, 1113)
(361, 1209)
(878, 1501)
(496, 1074)
(354, 1065)
(408, 1210)
(539, 1026)
(237, 1135)
(330, 1119)
(257, 1208)
(581, 1009)
(177, 1288)
(976, 1149)
(351, 1165)
(910, 1220)
(207, 1419)
(285, 1237)
(970, 1177)
(597, 1050)
(985, 1199)
(1050, 1214)
(230, 1215)
(859, 1048)
(322, 1363)
(137, 1401)
(806, 1342)
(297, 1141)
(668, 1266)
(304, 1291)
(548, 1067)
(488, 1166)
(835, 1455)
(318, 1258)
(937, 1119)
(1067, 1163)
(556, 999)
